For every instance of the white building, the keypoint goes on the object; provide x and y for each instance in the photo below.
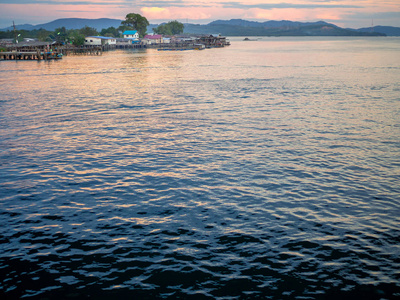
(100, 40)
(131, 34)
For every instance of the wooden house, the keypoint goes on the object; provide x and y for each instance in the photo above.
(152, 39)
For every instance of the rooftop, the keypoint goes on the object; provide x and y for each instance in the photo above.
(102, 37)
(153, 37)
(130, 32)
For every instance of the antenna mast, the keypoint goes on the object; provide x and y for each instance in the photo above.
(15, 33)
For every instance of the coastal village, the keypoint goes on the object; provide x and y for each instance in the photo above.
(176, 42)
(131, 34)
(32, 49)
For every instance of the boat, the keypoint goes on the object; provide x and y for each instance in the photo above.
(199, 47)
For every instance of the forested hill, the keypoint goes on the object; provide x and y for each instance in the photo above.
(71, 23)
(234, 27)
(388, 30)
(238, 27)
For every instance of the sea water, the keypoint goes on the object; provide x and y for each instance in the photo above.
(269, 169)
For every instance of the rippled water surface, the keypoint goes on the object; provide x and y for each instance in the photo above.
(269, 169)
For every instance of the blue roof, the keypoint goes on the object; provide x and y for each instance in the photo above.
(102, 37)
(130, 32)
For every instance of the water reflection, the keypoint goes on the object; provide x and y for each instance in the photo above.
(264, 169)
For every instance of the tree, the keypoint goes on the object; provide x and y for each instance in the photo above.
(6, 34)
(43, 34)
(162, 29)
(176, 27)
(60, 34)
(88, 31)
(123, 28)
(110, 31)
(75, 37)
(171, 28)
(137, 22)
(78, 40)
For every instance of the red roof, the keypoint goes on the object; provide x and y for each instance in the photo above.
(153, 37)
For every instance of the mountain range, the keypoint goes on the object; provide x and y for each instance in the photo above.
(70, 23)
(234, 27)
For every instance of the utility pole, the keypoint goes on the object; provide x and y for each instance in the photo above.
(15, 33)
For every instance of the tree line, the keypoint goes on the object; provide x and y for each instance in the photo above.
(77, 36)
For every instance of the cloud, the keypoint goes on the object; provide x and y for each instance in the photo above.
(50, 2)
(343, 12)
(285, 5)
(166, 3)
(156, 12)
(140, 3)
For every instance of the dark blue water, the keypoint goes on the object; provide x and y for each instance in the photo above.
(266, 170)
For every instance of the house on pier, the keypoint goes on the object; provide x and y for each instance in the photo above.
(131, 34)
(99, 41)
(213, 40)
(151, 39)
(6, 42)
(126, 42)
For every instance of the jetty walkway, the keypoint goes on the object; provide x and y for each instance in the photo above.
(30, 55)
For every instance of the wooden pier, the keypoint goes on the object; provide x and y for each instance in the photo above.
(30, 55)
(46, 54)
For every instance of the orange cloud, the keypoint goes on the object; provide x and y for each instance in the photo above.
(155, 12)
(176, 13)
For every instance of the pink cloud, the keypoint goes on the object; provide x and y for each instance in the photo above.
(197, 14)
(204, 11)
(296, 14)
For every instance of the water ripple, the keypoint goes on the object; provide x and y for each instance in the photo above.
(155, 175)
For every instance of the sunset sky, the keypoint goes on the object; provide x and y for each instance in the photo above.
(344, 13)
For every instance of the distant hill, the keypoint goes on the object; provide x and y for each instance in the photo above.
(71, 23)
(237, 27)
(388, 30)
(20, 27)
(234, 27)
(269, 24)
